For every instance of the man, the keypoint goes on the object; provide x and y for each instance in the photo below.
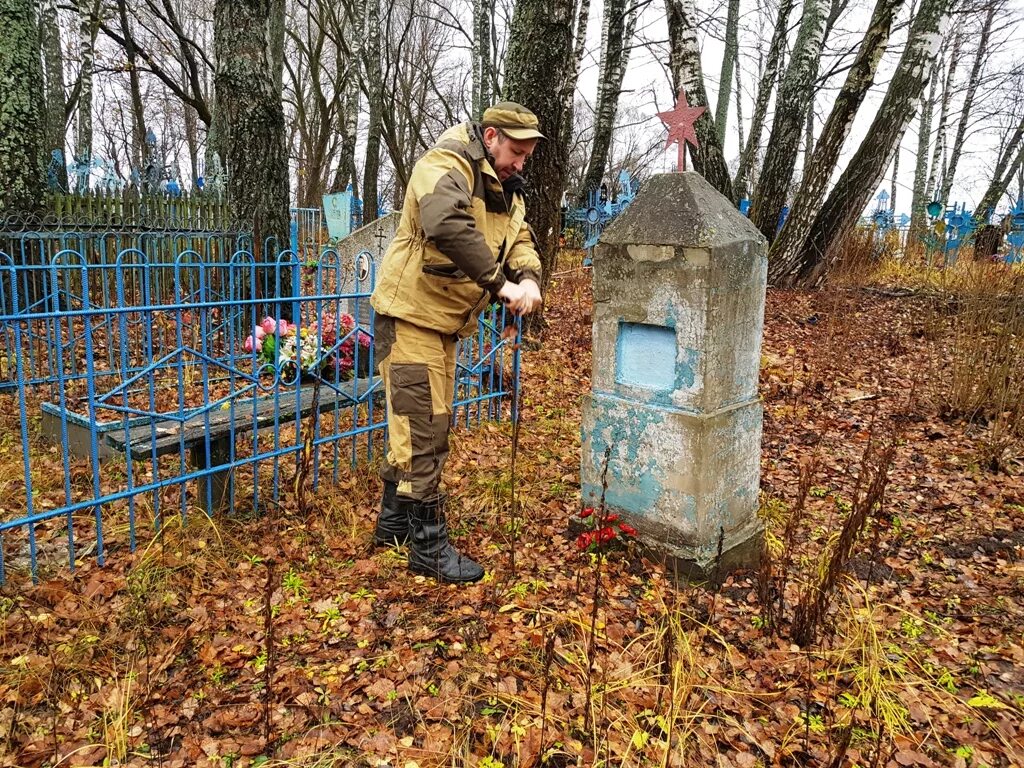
(461, 243)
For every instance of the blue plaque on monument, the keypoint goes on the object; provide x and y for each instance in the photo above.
(646, 356)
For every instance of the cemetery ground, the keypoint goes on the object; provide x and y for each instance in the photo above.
(883, 627)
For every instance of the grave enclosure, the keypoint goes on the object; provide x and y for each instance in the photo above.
(127, 388)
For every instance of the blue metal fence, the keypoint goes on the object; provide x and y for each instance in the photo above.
(143, 383)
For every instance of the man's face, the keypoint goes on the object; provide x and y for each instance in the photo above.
(510, 155)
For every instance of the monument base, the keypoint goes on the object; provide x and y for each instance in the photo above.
(689, 483)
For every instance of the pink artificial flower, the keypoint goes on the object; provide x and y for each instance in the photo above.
(260, 333)
(248, 343)
(268, 324)
(364, 340)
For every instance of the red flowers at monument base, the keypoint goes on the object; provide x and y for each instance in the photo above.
(605, 530)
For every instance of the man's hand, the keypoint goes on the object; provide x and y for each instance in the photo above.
(531, 295)
(512, 295)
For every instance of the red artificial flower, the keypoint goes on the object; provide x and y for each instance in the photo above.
(587, 512)
(627, 529)
(585, 540)
(606, 534)
(612, 519)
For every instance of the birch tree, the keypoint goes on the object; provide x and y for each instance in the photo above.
(53, 75)
(1008, 162)
(919, 201)
(619, 27)
(686, 72)
(89, 20)
(21, 109)
(790, 113)
(938, 161)
(843, 207)
(765, 88)
(818, 170)
(732, 45)
(970, 93)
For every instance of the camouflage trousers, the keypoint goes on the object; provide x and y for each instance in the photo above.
(418, 368)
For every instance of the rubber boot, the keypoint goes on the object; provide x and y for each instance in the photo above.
(430, 552)
(393, 520)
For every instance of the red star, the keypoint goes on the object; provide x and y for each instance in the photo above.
(680, 120)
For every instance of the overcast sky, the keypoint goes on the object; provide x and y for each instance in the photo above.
(647, 89)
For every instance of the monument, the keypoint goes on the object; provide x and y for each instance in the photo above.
(679, 287)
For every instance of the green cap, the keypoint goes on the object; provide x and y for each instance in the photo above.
(514, 119)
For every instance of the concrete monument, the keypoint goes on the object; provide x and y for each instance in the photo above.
(679, 288)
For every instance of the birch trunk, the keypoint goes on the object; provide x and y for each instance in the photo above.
(843, 207)
(939, 150)
(615, 58)
(739, 101)
(87, 26)
(732, 26)
(1009, 162)
(764, 93)
(919, 202)
(685, 65)
(818, 170)
(56, 101)
(21, 109)
(969, 95)
(790, 112)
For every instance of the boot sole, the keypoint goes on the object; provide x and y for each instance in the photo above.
(424, 571)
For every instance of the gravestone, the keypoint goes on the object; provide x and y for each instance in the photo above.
(679, 287)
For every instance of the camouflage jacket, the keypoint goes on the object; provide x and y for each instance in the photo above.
(461, 236)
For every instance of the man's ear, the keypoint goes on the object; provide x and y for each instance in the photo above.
(490, 134)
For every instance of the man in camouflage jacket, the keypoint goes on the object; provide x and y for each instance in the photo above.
(462, 242)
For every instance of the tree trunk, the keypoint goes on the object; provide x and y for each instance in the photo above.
(579, 50)
(965, 111)
(764, 93)
(893, 186)
(21, 109)
(939, 151)
(739, 102)
(88, 11)
(818, 171)
(919, 202)
(685, 66)
(538, 74)
(790, 112)
(732, 26)
(375, 103)
(614, 59)
(251, 130)
(1010, 162)
(56, 101)
(483, 13)
(135, 90)
(867, 167)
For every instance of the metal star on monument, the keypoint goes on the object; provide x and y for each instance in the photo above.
(680, 121)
